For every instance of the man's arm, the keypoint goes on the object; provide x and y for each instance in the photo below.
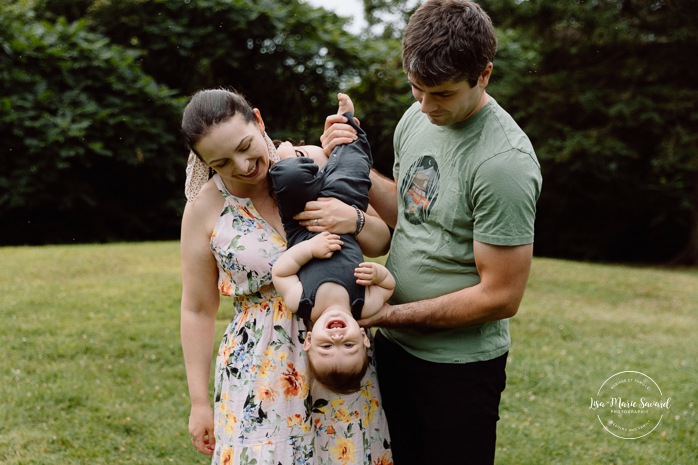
(503, 275)
(383, 197)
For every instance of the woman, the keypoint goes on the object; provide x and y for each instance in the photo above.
(231, 235)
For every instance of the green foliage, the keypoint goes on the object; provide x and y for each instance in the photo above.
(390, 16)
(92, 369)
(381, 97)
(287, 58)
(606, 93)
(88, 138)
(91, 93)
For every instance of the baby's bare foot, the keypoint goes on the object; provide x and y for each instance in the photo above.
(345, 104)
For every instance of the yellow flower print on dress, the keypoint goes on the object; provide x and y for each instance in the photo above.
(342, 415)
(384, 460)
(337, 402)
(227, 456)
(245, 212)
(372, 409)
(343, 452)
(261, 374)
(264, 367)
(280, 310)
(266, 393)
(230, 422)
(226, 287)
(296, 419)
(294, 383)
(278, 241)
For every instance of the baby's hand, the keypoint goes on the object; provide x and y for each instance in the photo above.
(325, 244)
(366, 273)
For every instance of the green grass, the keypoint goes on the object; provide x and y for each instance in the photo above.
(92, 372)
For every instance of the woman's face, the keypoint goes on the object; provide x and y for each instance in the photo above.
(237, 150)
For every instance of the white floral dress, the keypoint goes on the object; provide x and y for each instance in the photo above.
(264, 411)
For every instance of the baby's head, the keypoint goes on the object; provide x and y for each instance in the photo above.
(337, 351)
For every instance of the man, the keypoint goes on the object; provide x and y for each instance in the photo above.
(463, 207)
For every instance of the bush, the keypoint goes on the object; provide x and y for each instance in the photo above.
(90, 143)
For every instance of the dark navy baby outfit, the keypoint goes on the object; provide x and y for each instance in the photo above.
(298, 180)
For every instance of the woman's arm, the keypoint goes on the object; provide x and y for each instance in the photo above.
(383, 193)
(200, 300)
(337, 217)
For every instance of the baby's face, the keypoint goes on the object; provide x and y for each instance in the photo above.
(336, 340)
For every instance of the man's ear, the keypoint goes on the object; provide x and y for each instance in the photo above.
(485, 75)
(306, 343)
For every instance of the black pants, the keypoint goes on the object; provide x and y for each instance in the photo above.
(439, 413)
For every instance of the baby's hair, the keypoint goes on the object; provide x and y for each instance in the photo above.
(339, 381)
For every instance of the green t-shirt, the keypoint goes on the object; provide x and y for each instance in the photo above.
(475, 180)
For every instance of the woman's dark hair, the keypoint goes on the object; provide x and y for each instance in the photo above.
(208, 108)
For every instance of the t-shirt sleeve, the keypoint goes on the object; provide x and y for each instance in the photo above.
(505, 189)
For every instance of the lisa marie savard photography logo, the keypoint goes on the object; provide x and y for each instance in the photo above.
(629, 405)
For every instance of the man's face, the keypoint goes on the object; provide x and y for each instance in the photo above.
(451, 102)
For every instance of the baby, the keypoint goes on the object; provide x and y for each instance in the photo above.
(322, 276)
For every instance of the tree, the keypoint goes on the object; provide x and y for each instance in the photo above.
(606, 91)
(287, 58)
(92, 95)
(383, 92)
(87, 137)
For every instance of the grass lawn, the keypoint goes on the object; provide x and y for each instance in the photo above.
(92, 373)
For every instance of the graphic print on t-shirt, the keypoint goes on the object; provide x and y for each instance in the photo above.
(419, 189)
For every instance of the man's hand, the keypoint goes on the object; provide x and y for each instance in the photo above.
(379, 318)
(337, 132)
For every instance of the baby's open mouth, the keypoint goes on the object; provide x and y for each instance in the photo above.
(336, 324)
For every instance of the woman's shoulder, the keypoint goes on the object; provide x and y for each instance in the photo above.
(206, 206)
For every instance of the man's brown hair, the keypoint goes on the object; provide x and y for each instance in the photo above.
(448, 40)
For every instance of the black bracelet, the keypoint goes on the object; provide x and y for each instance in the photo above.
(360, 220)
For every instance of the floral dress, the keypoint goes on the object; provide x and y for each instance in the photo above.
(265, 411)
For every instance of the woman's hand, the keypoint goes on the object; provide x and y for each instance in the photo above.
(328, 214)
(201, 429)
